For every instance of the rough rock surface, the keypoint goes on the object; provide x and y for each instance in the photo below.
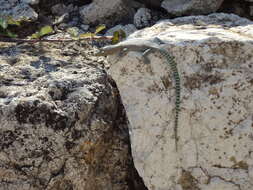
(215, 148)
(191, 7)
(142, 18)
(61, 127)
(102, 11)
(18, 9)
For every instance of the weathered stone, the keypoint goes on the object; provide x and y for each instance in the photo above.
(191, 7)
(215, 62)
(61, 126)
(105, 11)
(59, 9)
(142, 18)
(19, 10)
(85, 27)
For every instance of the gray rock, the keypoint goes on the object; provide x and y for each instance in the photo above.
(71, 8)
(142, 18)
(19, 10)
(59, 122)
(85, 27)
(191, 7)
(105, 11)
(59, 9)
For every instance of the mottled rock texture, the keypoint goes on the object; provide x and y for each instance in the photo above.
(191, 7)
(61, 123)
(19, 10)
(105, 11)
(142, 18)
(214, 54)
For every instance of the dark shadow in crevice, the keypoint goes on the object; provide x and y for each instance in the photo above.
(238, 7)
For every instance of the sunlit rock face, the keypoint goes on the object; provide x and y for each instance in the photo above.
(214, 58)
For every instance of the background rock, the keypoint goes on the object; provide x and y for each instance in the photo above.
(214, 57)
(19, 10)
(142, 18)
(59, 9)
(102, 11)
(191, 7)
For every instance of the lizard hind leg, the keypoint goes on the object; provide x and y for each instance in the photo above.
(145, 54)
(147, 51)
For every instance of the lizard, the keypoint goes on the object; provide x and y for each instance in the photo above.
(147, 46)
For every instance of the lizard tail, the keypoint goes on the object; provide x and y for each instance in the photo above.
(176, 77)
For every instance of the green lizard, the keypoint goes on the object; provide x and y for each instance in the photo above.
(146, 47)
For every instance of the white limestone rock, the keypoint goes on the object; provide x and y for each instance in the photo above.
(191, 7)
(215, 148)
(19, 10)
